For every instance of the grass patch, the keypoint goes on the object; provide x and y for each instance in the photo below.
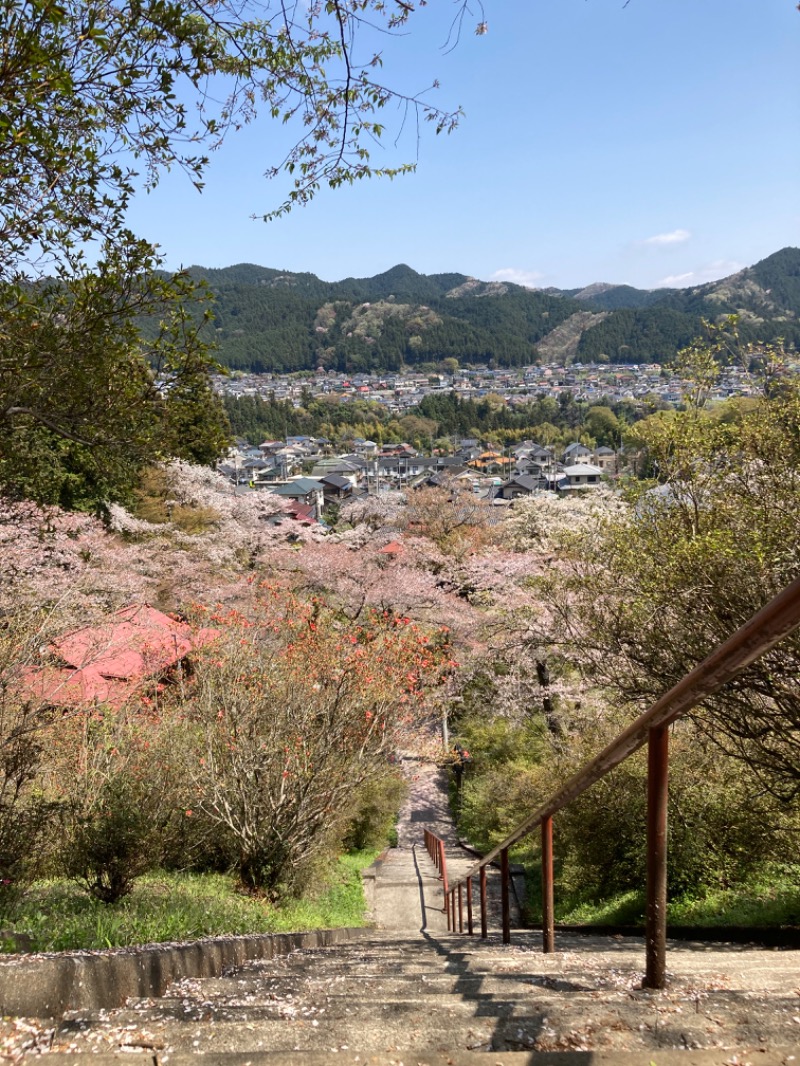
(625, 909)
(165, 907)
(770, 899)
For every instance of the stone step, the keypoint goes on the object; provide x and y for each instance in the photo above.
(446, 999)
(344, 967)
(430, 951)
(316, 1003)
(421, 1030)
(547, 1020)
(666, 1057)
(382, 984)
(387, 1032)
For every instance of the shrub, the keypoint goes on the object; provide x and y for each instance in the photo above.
(376, 806)
(293, 712)
(25, 815)
(112, 841)
(722, 825)
(117, 772)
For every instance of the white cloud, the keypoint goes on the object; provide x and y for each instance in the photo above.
(678, 281)
(676, 236)
(529, 278)
(720, 268)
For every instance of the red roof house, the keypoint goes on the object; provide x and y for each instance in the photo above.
(394, 548)
(107, 663)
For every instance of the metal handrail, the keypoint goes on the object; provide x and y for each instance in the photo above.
(435, 846)
(760, 634)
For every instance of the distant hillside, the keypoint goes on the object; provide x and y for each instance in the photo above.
(273, 320)
(765, 296)
(269, 320)
(561, 344)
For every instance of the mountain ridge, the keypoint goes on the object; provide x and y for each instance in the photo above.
(281, 321)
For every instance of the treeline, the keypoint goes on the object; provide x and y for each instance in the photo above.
(272, 321)
(267, 321)
(779, 274)
(271, 328)
(436, 417)
(643, 336)
(655, 335)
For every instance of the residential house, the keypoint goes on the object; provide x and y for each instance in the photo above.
(541, 455)
(336, 487)
(529, 467)
(398, 449)
(456, 479)
(520, 485)
(255, 470)
(576, 453)
(606, 459)
(450, 464)
(467, 454)
(108, 663)
(490, 462)
(403, 468)
(353, 472)
(581, 476)
(357, 461)
(304, 490)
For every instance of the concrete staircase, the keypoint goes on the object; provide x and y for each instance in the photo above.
(407, 993)
(413, 995)
(389, 999)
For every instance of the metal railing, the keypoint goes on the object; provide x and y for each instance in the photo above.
(756, 637)
(435, 846)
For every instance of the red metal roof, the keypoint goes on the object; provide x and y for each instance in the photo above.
(106, 663)
(303, 512)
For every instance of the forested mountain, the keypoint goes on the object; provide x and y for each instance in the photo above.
(272, 320)
(765, 296)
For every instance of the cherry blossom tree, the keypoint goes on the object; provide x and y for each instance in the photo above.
(293, 712)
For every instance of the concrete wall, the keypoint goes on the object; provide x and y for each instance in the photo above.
(46, 986)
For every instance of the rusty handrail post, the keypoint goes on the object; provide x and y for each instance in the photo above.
(442, 869)
(775, 621)
(505, 885)
(460, 909)
(548, 919)
(657, 815)
(470, 929)
(432, 846)
(484, 914)
(436, 850)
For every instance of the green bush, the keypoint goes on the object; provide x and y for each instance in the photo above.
(377, 804)
(112, 841)
(24, 814)
(723, 827)
(22, 831)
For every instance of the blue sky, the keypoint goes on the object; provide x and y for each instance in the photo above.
(654, 143)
